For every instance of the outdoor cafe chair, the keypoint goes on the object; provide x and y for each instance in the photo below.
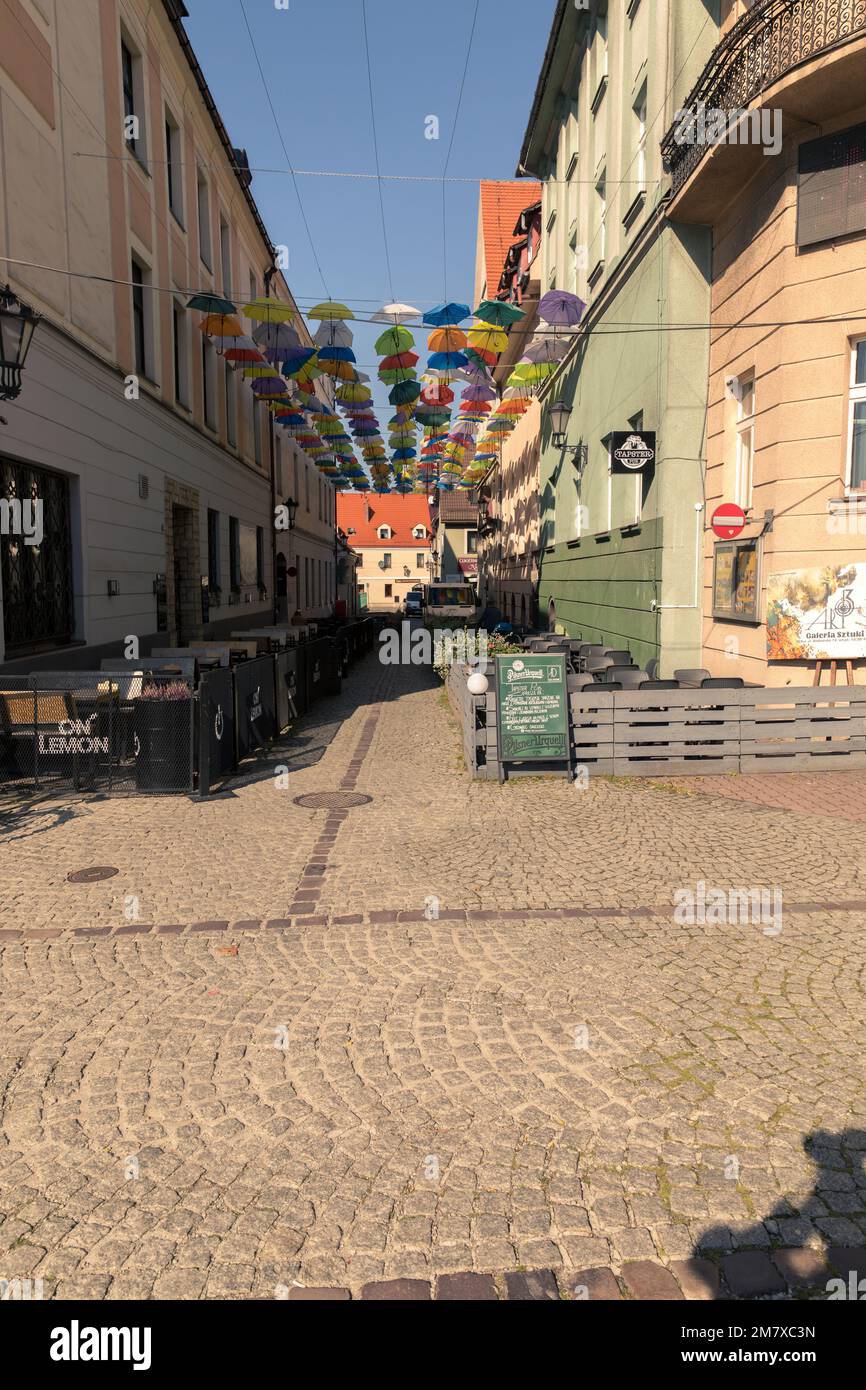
(595, 665)
(618, 656)
(617, 670)
(722, 683)
(652, 668)
(691, 677)
(661, 685)
(627, 679)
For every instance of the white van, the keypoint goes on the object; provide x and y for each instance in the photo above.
(451, 601)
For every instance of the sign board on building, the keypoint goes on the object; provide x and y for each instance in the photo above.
(736, 580)
(532, 709)
(468, 564)
(728, 521)
(631, 451)
(817, 614)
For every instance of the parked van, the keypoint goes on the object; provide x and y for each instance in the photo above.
(451, 601)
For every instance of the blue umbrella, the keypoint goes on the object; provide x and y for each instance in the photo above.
(447, 360)
(446, 315)
(337, 354)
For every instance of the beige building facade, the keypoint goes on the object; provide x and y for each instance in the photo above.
(121, 195)
(786, 423)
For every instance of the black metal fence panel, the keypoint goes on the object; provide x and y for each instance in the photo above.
(290, 702)
(255, 705)
(96, 731)
(216, 729)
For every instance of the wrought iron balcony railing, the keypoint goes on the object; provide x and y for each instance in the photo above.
(770, 40)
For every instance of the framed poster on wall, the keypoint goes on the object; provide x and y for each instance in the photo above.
(817, 614)
(737, 580)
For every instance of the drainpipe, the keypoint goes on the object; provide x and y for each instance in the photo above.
(659, 607)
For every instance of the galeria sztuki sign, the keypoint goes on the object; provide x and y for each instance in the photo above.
(630, 452)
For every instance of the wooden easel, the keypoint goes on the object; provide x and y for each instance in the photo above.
(819, 666)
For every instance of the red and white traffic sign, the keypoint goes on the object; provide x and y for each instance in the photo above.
(728, 521)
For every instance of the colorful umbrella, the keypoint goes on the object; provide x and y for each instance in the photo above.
(547, 349)
(268, 311)
(445, 314)
(211, 304)
(449, 360)
(297, 360)
(498, 312)
(395, 313)
(446, 340)
(329, 309)
(396, 339)
(489, 338)
(333, 333)
(221, 326)
(561, 308)
(398, 359)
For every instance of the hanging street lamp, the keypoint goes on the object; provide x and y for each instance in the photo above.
(17, 325)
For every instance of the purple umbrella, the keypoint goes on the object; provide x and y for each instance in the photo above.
(546, 350)
(478, 393)
(560, 308)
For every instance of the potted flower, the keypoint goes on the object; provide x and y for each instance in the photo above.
(163, 738)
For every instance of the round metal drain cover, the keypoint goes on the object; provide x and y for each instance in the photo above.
(332, 801)
(92, 875)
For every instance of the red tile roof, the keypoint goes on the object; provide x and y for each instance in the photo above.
(500, 207)
(366, 513)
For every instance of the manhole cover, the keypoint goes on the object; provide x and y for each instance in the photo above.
(332, 801)
(92, 875)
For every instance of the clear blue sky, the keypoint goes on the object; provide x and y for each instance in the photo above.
(314, 61)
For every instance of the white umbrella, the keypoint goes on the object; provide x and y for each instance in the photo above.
(276, 338)
(396, 313)
(547, 349)
(333, 333)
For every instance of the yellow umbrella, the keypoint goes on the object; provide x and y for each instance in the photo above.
(344, 370)
(264, 370)
(353, 391)
(330, 309)
(489, 338)
(268, 311)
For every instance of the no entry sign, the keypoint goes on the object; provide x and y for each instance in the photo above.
(728, 521)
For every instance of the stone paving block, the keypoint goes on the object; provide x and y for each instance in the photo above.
(304, 1295)
(645, 1279)
(801, 1268)
(468, 1287)
(698, 1279)
(397, 1290)
(751, 1273)
(531, 1285)
(592, 1284)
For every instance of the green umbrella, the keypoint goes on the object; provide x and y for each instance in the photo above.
(211, 304)
(495, 311)
(393, 340)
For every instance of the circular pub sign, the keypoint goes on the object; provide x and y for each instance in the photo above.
(728, 521)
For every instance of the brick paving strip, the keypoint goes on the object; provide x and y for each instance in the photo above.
(306, 898)
(748, 1275)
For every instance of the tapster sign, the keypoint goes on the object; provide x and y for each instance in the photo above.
(630, 451)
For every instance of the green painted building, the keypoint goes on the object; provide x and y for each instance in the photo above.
(621, 554)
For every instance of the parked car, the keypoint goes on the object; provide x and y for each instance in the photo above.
(414, 604)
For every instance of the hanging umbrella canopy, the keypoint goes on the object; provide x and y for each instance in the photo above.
(353, 391)
(270, 386)
(211, 304)
(260, 369)
(398, 374)
(330, 309)
(488, 338)
(344, 371)
(333, 333)
(396, 313)
(498, 312)
(445, 314)
(221, 326)
(404, 391)
(478, 393)
(296, 359)
(437, 395)
(561, 308)
(446, 340)
(268, 311)
(336, 354)
(546, 349)
(242, 354)
(396, 339)
(398, 359)
(449, 360)
(481, 356)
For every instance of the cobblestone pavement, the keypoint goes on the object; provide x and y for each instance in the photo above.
(284, 1075)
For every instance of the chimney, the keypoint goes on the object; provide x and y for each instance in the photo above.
(368, 510)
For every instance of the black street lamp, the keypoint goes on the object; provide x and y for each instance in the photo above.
(559, 416)
(291, 507)
(17, 324)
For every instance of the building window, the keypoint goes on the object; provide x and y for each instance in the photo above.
(856, 479)
(208, 367)
(639, 110)
(226, 256)
(384, 533)
(133, 101)
(203, 196)
(235, 553)
(419, 560)
(389, 591)
(231, 405)
(745, 441)
(601, 212)
(471, 542)
(174, 168)
(213, 550)
(386, 560)
(278, 465)
(139, 325)
(179, 347)
(257, 431)
(307, 589)
(831, 192)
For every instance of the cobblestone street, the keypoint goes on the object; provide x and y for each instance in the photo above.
(456, 1029)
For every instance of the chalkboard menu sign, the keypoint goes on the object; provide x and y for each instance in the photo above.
(532, 708)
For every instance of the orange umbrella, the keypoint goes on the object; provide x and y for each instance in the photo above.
(222, 326)
(447, 340)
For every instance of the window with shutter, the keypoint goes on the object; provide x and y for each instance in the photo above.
(831, 197)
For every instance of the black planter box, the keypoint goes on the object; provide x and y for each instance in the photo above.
(164, 743)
